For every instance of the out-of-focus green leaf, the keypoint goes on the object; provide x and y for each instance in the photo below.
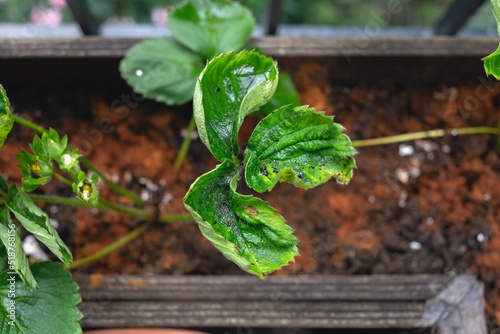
(245, 229)
(300, 146)
(10, 238)
(37, 222)
(210, 27)
(6, 118)
(51, 309)
(229, 88)
(163, 70)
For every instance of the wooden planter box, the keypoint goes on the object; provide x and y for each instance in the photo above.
(403, 303)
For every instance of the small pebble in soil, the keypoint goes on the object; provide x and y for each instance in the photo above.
(402, 175)
(481, 237)
(194, 134)
(415, 245)
(446, 148)
(32, 248)
(54, 223)
(405, 150)
(402, 199)
(486, 197)
(371, 199)
(429, 220)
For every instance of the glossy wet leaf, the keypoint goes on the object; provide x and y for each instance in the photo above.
(210, 27)
(163, 70)
(300, 146)
(229, 88)
(245, 229)
(6, 118)
(37, 222)
(11, 240)
(51, 309)
(285, 93)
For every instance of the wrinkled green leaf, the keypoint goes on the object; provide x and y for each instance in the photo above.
(163, 70)
(51, 309)
(285, 93)
(245, 229)
(37, 222)
(210, 27)
(11, 239)
(299, 146)
(3, 185)
(229, 88)
(6, 118)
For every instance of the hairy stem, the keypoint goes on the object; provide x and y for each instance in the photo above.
(28, 124)
(111, 247)
(185, 144)
(116, 187)
(424, 135)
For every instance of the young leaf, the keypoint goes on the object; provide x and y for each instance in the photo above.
(3, 257)
(37, 222)
(492, 62)
(6, 118)
(300, 146)
(163, 70)
(285, 93)
(51, 309)
(230, 87)
(245, 229)
(11, 239)
(53, 144)
(210, 27)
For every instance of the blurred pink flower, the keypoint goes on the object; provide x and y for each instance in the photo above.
(59, 4)
(159, 16)
(50, 17)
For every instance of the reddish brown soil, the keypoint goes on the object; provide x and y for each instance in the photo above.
(434, 211)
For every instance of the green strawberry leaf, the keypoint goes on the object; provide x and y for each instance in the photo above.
(300, 146)
(6, 118)
(3, 185)
(285, 93)
(37, 222)
(230, 87)
(210, 27)
(492, 62)
(245, 229)
(51, 309)
(162, 69)
(11, 239)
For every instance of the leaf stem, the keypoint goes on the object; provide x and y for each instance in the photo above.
(185, 144)
(28, 124)
(111, 247)
(116, 187)
(424, 135)
(62, 179)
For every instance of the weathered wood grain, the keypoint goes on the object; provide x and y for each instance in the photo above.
(364, 46)
(399, 301)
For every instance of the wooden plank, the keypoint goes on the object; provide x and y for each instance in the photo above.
(363, 46)
(397, 287)
(399, 301)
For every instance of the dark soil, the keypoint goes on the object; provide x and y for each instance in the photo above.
(426, 206)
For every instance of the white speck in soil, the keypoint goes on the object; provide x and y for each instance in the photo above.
(454, 132)
(430, 156)
(402, 175)
(139, 73)
(32, 248)
(194, 134)
(162, 182)
(54, 209)
(486, 197)
(405, 150)
(127, 176)
(481, 237)
(429, 220)
(54, 223)
(144, 195)
(371, 199)
(402, 199)
(415, 245)
(446, 148)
